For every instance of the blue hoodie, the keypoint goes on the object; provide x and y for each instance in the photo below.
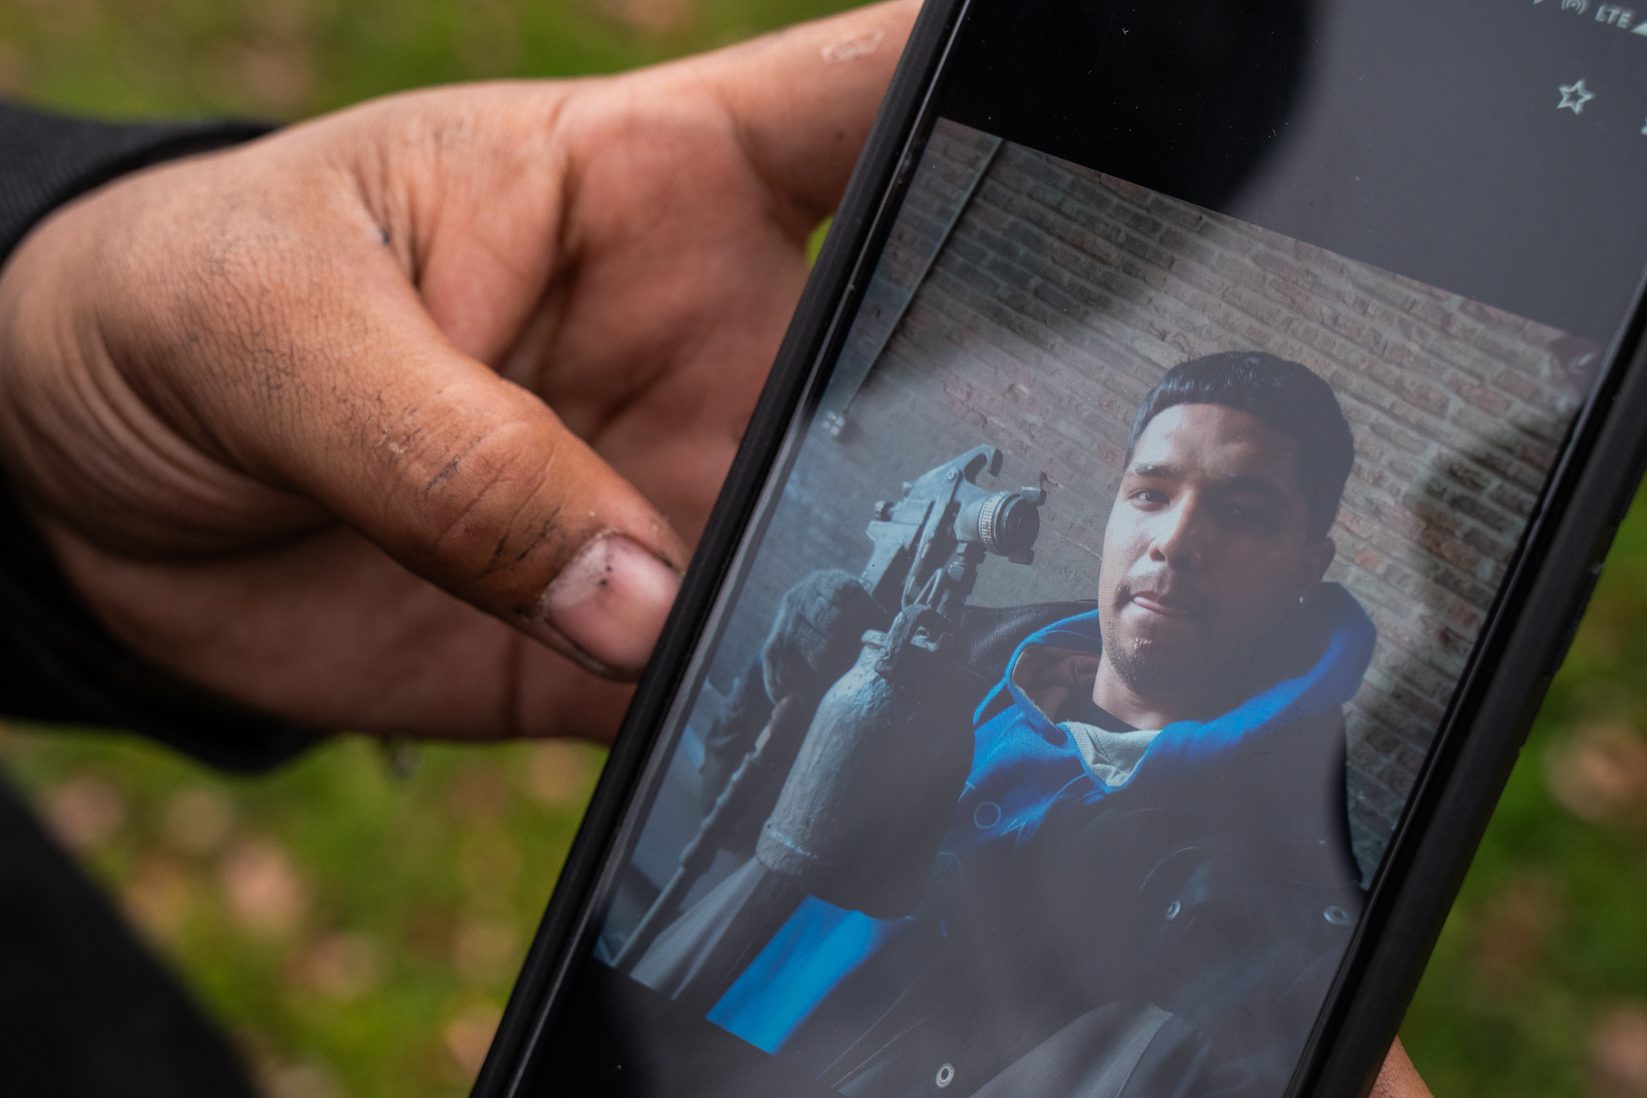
(1022, 763)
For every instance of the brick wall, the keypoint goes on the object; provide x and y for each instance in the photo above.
(1030, 304)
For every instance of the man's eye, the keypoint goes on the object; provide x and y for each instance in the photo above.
(1149, 497)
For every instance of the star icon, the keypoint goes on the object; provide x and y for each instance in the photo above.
(1574, 96)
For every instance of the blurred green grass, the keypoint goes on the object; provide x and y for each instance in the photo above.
(1539, 983)
(358, 932)
(133, 57)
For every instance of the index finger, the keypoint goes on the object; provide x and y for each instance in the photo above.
(802, 100)
(1398, 1078)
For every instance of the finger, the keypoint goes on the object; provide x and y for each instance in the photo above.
(1398, 1078)
(463, 477)
(802, 99)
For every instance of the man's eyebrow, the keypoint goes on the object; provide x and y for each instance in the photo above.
(1253, 483)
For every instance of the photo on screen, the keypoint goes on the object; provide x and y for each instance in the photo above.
(1092, 647)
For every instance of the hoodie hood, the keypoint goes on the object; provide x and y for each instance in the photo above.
(1015, 775)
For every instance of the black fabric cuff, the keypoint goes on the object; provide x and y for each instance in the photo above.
(85, 1008)
(48, 159)
(57, 662)
(62, 666)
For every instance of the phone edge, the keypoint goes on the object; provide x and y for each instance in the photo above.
(1419, 881)
(548, 959)
(1582, 506)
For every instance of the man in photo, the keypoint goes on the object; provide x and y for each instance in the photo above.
(1147, 881)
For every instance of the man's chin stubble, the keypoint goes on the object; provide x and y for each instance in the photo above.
(1165, 680)
(1143, 668)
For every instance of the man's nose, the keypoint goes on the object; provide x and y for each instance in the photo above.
(1178, 534)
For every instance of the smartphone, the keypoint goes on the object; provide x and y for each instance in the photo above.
(1182, 476)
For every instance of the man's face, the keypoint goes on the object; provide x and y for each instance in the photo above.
(1206, 551)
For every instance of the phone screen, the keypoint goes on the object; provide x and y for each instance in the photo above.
(1120, 572)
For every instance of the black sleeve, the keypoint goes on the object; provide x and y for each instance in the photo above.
(86, 1008)
(57, 663)
(47, 159)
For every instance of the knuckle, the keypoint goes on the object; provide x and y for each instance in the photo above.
(482, 508)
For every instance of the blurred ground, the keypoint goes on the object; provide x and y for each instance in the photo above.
(359, 931)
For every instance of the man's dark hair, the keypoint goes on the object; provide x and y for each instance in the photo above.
(1284, 394)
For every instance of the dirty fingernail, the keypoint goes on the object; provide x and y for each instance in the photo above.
(610, 602)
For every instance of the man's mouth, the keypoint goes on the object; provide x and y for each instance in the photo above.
(1166, 604)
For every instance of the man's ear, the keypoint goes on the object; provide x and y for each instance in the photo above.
(1317, 556)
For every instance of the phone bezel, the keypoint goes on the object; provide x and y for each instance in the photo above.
(837, 280)
(1487, 721)
(1475, 746)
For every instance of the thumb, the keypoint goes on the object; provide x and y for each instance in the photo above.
(465, 478)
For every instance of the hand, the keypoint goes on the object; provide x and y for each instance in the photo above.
(817, 634)
(357, 422)
(1398, 1078)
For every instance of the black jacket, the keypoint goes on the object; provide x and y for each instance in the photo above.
(1191, 944)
